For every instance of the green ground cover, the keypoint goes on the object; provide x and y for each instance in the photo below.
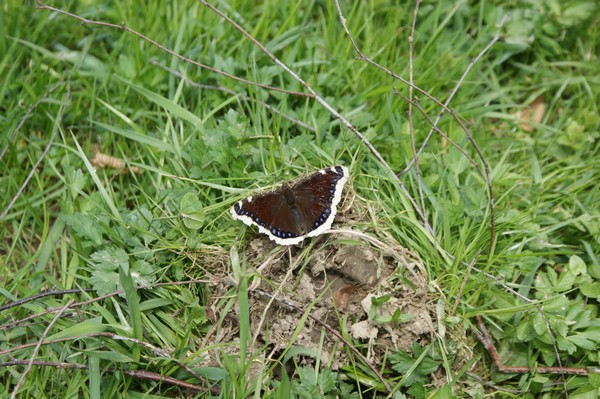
(120, 159)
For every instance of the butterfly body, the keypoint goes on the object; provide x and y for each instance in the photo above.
(296, 210)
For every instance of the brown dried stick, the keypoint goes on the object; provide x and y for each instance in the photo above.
(140, 374)
(486, 339)
(410, 96)
(330, 109)
(66, 99)
(157, 351)
(332, 331)
(233, 93)
(86, 21)
(37, 349)
(444, 108)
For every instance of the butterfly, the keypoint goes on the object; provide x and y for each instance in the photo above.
(298, 209)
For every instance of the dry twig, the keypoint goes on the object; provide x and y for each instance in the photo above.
(37, 349)
(139, 374)
(444, 107)
(233, 93)
(86, 21)
(330, 109)
(410, 96)
(339, 336)
(486, 339)
(66, 99)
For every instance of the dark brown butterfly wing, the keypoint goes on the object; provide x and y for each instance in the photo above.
(303, 209)
(270, 211)
(315, 196)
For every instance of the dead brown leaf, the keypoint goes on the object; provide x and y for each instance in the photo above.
(102, 161)
(342, 296)
(532, 115)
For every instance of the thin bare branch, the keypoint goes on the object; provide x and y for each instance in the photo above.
(486, 339)
(157, 351)
(339, 336)
(86, 21)
(55, 130)
(499, 281)
(362, 57)
(444, 106)
(329, 108)
(410, 117)
(488, 177)
(37, 349)
(233, 93)
(442, 133)
(139, 374)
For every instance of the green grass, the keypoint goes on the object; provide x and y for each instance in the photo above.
(192, 151)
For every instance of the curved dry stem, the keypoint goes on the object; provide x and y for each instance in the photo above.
(329, 108)
(26, 116)
(488, 342)
(444, 107)
(139, 374)
(443, 134)
(453, 92)
(233, 93)
(86, 21)
(37, 349)
(57, 123)
(410, 96)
